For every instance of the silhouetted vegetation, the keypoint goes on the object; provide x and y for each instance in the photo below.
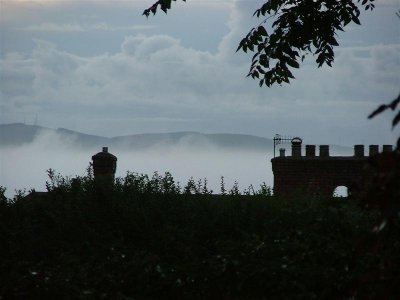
(152, 239)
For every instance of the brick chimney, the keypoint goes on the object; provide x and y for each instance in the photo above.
(296, 147)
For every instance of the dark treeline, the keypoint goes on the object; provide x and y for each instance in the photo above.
(149, 238)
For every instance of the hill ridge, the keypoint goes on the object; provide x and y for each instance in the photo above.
(16, 134)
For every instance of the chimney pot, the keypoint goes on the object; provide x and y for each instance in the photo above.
(296, 147)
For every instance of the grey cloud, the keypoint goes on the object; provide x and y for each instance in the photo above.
(155, 83)
(386, 63)
(239, 23)
(74, 27)
(143, 47)
(176, 82)
(16, 76)
(48, 58)
(78, 27)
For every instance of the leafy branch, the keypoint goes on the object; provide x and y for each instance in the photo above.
(298, 28)
(165, 5)
(392, 105)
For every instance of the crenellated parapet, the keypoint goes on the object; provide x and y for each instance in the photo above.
(310, 150)
(320, 173)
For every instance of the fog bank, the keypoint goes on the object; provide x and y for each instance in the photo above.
(24, 167)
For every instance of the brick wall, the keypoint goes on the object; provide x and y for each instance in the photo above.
(321, 174)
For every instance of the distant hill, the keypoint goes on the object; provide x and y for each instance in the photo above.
(19, 134)
(195, 140)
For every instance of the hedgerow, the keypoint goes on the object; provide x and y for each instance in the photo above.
(150, 238)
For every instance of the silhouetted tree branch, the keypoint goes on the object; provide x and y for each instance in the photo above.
(392, 105)
(164, 5)
(291, 29)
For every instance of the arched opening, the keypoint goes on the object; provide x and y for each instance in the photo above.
(341, 191)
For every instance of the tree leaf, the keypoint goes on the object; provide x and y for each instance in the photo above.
(396, 120)
(395, 102)
(333, 41)
(377, 111)
(262, 31)
(356, 20)
(293, 63)
(251, 47)
(392, 105)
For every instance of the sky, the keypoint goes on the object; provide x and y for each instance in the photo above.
(100, 67)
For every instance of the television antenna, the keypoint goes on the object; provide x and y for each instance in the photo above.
(278, 139)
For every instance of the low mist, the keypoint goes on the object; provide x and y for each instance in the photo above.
(24, 167)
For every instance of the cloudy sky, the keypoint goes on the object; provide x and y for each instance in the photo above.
(100, 67)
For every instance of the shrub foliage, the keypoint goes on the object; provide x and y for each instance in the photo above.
(151, 239)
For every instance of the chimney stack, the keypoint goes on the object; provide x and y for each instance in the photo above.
(296, 147)
(104, 167)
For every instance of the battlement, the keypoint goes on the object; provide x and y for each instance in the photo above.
(322, 173)
(310, 150)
